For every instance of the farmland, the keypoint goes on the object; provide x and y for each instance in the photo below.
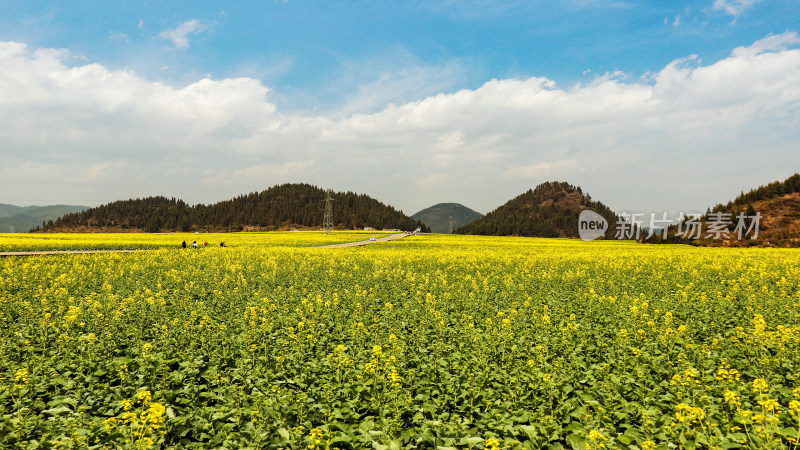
(429, 341)
(150, 241)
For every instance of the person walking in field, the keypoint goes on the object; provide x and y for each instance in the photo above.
(194, 245)
(183, 245)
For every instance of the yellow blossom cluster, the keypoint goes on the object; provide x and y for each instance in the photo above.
(142, 419)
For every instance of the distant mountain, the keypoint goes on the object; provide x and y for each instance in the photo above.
(778, 204)
(11, 210)
(277, 208)
(550, 210)
(437, 217)
(22, 219)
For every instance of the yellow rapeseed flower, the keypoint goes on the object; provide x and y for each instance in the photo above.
(794, 407)
(732, 398)
(688, 414)
(492, 444)
(770, 405)
(21, 377)
(760, 385)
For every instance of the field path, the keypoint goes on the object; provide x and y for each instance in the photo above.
(367, 242)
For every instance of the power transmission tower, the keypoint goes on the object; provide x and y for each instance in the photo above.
(451, 224)
(327, 220)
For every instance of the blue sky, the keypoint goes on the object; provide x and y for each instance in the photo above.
(318, 54)
(263, 92)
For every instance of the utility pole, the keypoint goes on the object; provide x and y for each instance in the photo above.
(327, 220)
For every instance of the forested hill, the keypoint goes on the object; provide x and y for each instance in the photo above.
(550, 210)
(778, 207)
(770, 191)
(280, 207)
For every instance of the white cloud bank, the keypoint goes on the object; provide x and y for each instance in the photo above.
(691, 136)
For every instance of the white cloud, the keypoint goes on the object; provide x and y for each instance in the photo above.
(734, 7)
(88, 134)
(543, 169)
(118, 36)
(180, 35)
(774, 43)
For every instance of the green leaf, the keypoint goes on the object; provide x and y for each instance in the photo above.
(626, 440)
(576, 442)
(529, 431)
(59, 410)
(790, 432)
(284, 433)
(471, 441)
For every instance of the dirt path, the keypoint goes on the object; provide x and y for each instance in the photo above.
(360, 243)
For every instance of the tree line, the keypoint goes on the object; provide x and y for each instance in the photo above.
(283, 206)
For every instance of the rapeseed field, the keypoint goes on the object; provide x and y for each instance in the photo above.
(430, 341)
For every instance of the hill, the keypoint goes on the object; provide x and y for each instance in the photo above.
(277, 208)
(12, 210)
(18, 219)
(777, 203)
(780, 223)
(438, 216)
(550, 210)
